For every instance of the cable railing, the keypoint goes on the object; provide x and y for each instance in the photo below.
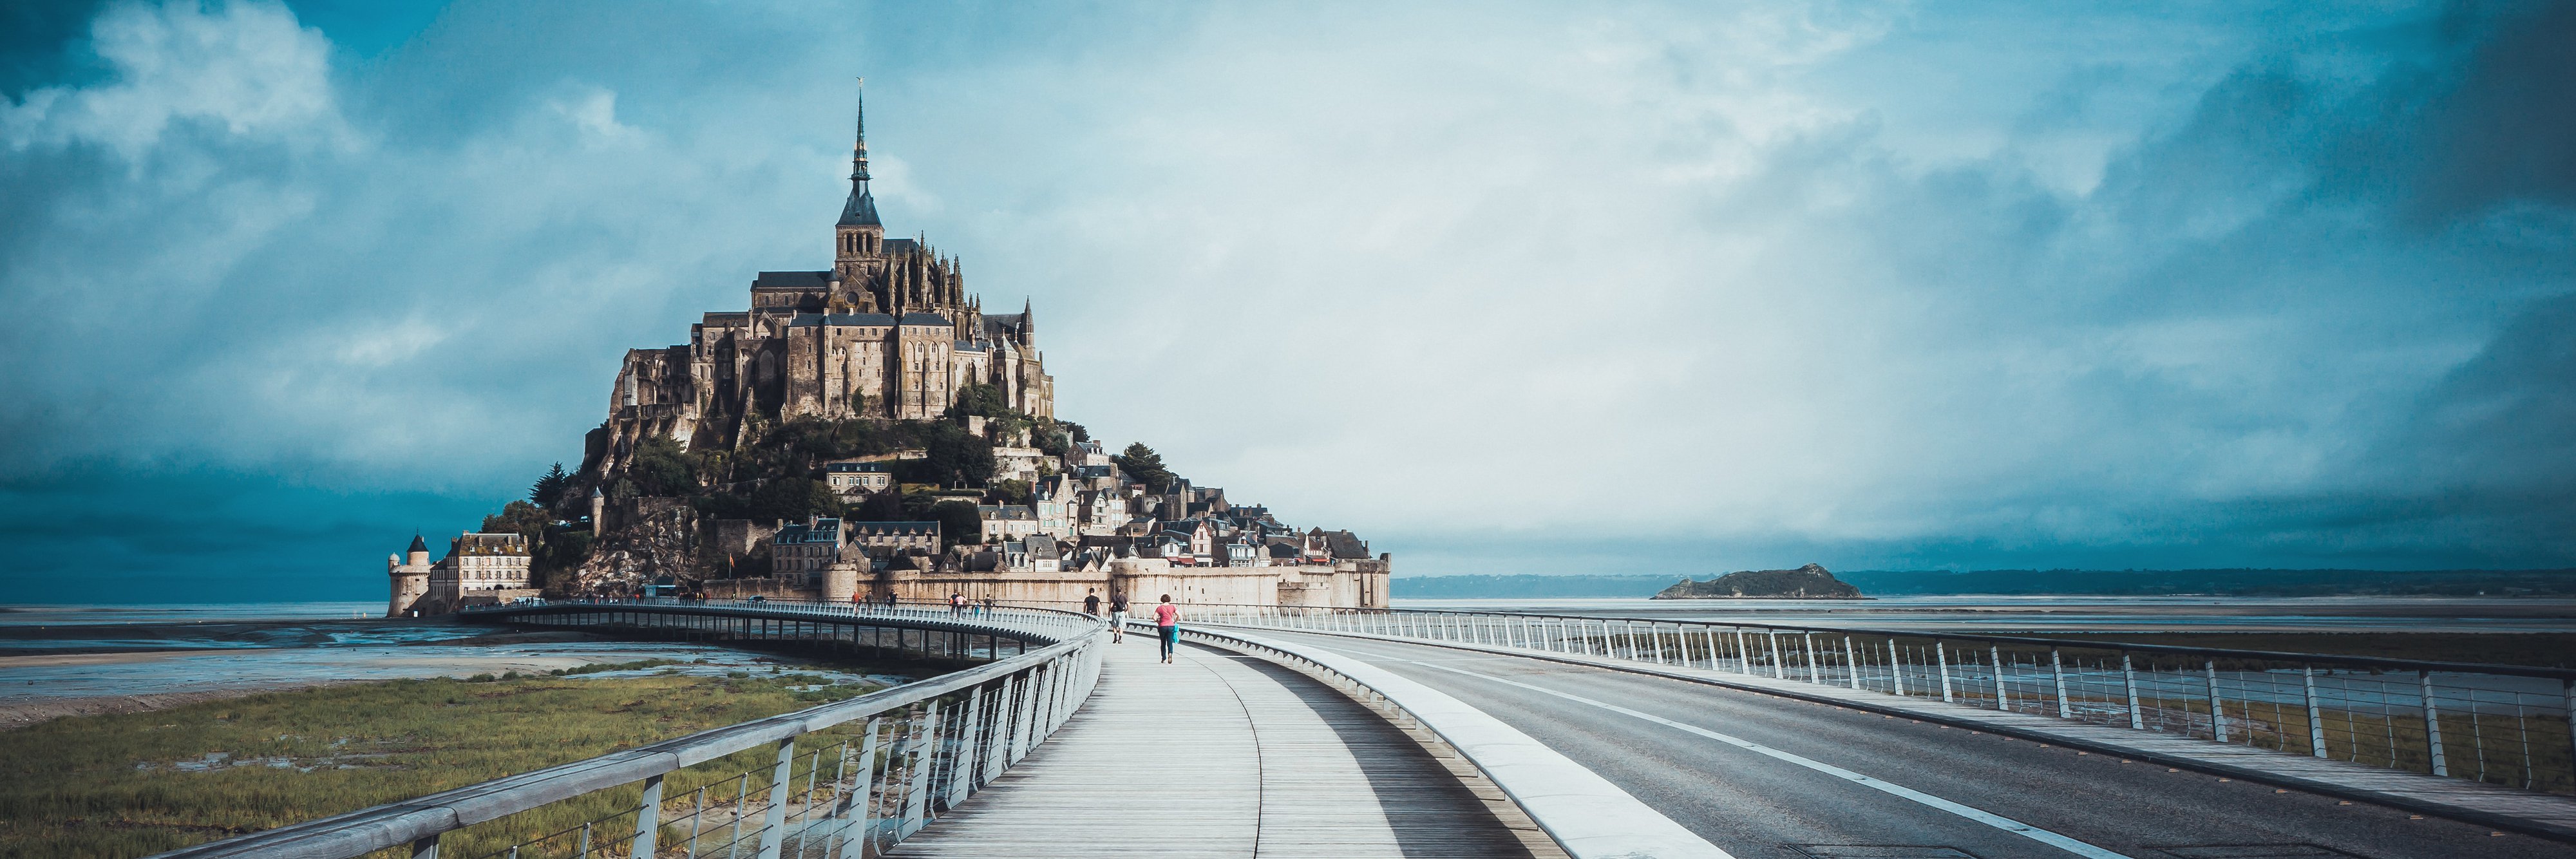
(2501, 724)
(847, 779)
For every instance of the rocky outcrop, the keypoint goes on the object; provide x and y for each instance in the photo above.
(655, 537)
(1808, 582)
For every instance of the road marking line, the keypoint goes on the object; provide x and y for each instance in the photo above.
(1997, 821)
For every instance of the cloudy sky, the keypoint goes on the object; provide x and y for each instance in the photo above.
(1507, 288)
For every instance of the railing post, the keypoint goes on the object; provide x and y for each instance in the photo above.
(925, 744)
(2057, 670)
(2316, 720)
(2003, 698)
(2567, 691)
(2129, 677)
(774, 824)
(963, 774)
(865, 795)
(997, 741)
(2217, 710)
(1895, 669)
(1851, 657)
(2433, 724)
(425, 847)
(1941, 652)
(648, 819)
(1743, 653)
(1815, 672)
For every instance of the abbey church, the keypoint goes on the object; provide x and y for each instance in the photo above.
(888, 331)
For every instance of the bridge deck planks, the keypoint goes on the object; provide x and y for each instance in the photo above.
(1221, 755)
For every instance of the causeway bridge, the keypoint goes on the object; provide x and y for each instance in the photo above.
(1378, 732)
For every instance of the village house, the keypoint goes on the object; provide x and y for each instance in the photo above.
(853, 479)
(1006, 521)
(799, 553)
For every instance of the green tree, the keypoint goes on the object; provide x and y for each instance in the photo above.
(1011, 491)
(550, 487)
(522, 518)
(1144, 466)
(794, 498)
(878, 507)
(955, 457)
(564, 549)
(958, 523)
(660, 467)
(982, 399)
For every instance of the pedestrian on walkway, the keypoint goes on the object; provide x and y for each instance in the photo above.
(956, 603)
(1091, 603)
(1167, 620)
(1117, 618)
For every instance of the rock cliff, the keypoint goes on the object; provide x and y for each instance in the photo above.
(1807, 582)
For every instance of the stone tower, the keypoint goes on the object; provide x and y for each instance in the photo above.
(410, 578)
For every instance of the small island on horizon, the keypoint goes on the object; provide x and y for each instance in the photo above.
(1810, 582)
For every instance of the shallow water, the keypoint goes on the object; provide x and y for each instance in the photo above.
(50, 653)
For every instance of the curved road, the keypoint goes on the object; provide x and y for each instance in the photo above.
(1772, 777)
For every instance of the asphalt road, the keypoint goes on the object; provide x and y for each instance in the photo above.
(1773, 777)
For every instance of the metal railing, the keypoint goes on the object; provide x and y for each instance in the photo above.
(1014, 621)
(2501, 724)
(846, 779)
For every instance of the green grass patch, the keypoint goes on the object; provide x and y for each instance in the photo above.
(139, 783)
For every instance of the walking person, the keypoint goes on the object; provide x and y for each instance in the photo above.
(1117, 618)
(1091, 603)
(1167, 621)
(956, 603)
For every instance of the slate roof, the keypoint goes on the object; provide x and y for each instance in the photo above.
(792, 280)
(861, 210)
(925, 319)
(821, 531)
(418, 544)
(893, 528)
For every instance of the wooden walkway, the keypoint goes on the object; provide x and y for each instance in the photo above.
(1221, 755)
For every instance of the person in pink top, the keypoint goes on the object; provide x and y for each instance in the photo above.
(1167, 620)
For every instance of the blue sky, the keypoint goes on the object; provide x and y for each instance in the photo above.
(1643, 287)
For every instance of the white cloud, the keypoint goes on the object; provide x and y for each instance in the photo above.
(244, 66)
(1634, 272)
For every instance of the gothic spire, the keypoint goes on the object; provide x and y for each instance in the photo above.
(861, 210)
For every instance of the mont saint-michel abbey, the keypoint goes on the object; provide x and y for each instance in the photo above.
(889, 334)
(888, 331)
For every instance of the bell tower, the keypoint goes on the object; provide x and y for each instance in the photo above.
(860, 237)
